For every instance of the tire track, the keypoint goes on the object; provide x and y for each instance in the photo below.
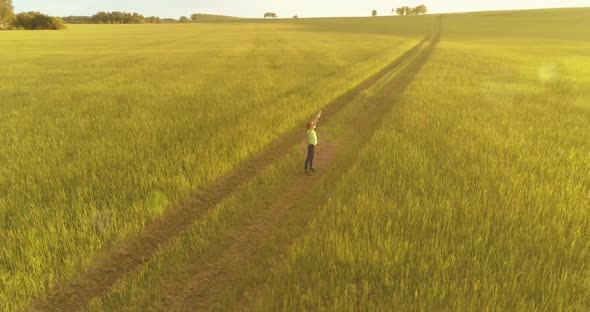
(137, 249)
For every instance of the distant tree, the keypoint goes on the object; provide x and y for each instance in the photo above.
(153, 20)
(6, 14)
(184, 19)
(194, 17)
(116, 17)
(270, 14)
(406, 10)
(374, 13)
(137, 19)
(113, 18)
(100, 18)
(24, 21)
(295, 16)
(421, 9)
(56, 23)
(78, 19)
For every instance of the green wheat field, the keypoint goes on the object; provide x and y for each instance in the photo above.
(472, 192)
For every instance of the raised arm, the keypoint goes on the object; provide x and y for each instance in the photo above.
(315, 121)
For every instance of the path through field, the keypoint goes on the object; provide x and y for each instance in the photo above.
(200, 282)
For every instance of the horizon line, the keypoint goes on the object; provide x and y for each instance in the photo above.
(342, 16)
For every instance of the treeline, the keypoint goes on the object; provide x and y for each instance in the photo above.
(112, 18)
(406, 10)
(37, 21)
(135, 18)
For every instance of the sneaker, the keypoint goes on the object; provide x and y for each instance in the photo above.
(313, 170)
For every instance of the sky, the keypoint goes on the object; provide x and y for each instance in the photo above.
(284, 8)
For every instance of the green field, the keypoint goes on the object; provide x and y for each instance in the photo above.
(475, 193)
(467, 190)
(104, 128)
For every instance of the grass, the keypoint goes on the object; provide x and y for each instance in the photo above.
(474, 194)
(103, 128)
(155, 285)
(145, 288)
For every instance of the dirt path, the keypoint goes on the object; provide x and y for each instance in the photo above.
(134, 251)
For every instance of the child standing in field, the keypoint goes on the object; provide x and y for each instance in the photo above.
(311, 143)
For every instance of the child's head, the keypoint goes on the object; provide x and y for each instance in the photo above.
(310, 125)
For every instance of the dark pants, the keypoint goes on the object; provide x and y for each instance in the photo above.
(310, 154)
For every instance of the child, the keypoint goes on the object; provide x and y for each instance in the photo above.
(311, 143)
